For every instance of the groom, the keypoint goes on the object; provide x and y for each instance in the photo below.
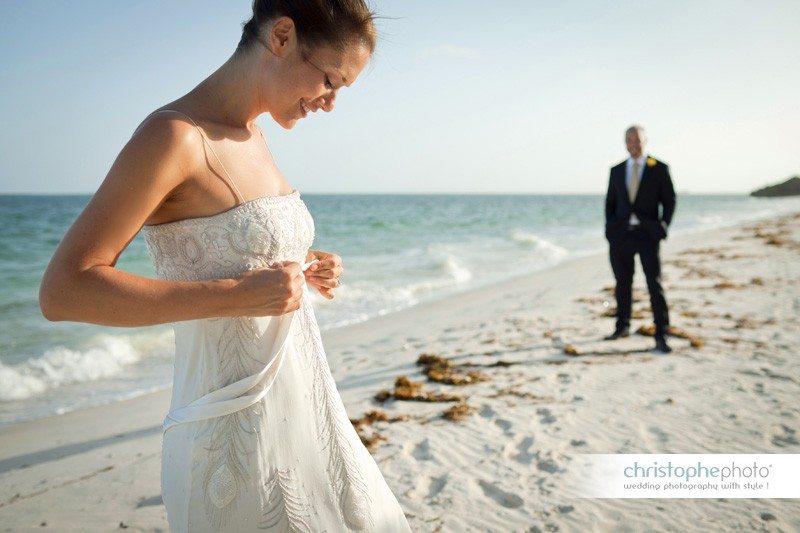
(636, 188)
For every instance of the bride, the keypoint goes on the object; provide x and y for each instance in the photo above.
(257, 436)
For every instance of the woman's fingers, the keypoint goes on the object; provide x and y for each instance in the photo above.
(325, 282)
(334, 272)
(328, 262)
(328, 277)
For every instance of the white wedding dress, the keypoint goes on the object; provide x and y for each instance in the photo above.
(257, 437)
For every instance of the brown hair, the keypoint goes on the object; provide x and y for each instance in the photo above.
(335, 23)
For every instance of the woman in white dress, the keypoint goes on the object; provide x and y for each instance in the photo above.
(257, 437)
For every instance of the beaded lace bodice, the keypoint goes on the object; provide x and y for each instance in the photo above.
(254, 234)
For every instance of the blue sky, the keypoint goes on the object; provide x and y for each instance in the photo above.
(466, 96)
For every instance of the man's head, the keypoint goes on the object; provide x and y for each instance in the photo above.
(635, 140)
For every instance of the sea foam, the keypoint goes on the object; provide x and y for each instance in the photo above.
(106, 355)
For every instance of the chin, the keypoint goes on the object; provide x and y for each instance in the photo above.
(285, 123)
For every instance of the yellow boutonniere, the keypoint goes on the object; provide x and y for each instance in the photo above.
(651, 162)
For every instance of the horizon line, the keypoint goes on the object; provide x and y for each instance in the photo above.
(413, 193)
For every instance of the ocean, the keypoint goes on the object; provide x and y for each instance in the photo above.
(397, 250)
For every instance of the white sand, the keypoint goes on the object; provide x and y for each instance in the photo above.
(503, 467)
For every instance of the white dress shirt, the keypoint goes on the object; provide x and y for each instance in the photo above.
(634, 221)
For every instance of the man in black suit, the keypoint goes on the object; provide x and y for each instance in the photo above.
(636, 188)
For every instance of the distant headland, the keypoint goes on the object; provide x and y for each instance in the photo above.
(790, 187)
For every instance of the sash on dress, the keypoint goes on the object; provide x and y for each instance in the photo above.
(245, 392)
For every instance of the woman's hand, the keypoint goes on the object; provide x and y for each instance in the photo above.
(270, 291)
(324, 274)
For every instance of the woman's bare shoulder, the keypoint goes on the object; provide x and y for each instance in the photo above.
(156, 160)
(164, 129)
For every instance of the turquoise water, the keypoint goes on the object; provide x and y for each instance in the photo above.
(398, 250)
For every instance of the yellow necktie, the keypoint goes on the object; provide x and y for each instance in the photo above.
(634, 181)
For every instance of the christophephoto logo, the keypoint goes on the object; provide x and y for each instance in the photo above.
(754, 476)
(689, 475)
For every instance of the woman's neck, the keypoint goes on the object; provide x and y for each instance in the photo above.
(227, 96)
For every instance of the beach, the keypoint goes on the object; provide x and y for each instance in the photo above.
(550, 389)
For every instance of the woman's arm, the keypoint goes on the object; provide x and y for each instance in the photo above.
(81, 283)
(110, 297)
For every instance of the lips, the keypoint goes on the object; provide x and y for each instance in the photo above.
(304, 109)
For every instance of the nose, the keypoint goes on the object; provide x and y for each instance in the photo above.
(328, 101)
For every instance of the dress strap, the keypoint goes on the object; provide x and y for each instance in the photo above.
(267, 145)
(202, 136)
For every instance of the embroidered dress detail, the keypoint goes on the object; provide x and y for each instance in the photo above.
(287, 508)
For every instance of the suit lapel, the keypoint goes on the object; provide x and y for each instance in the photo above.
(621, 181)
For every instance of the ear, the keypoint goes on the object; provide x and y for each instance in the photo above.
(282, 36)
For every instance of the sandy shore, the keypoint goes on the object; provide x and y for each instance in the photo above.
(501, 467)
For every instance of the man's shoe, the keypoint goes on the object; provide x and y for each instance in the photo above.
(661, 345)
(623, 332)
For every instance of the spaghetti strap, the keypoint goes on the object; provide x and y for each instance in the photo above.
(202, 136)
(267, 145)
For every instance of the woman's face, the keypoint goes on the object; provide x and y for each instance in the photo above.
(305, 81)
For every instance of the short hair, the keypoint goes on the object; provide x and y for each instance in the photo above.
(639, 130)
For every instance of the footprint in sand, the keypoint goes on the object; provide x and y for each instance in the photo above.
(430, 487)
(547, 417)
(436, 484)
(774, 375)
(505, 425)
(784, 436)
(523, 454)
(422, 451)
(506, 499)
(487, 411)
(660, 434)
(549, 466)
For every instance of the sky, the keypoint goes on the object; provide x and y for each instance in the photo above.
(460, 96)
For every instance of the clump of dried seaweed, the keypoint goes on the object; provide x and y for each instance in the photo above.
(442, 370)
(511, 391)
(570, 349)
(727, 285)
(694, 340)
(458, 412)
(405, 389)
(373, 440)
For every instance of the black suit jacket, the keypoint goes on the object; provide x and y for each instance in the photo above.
(655, 188)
